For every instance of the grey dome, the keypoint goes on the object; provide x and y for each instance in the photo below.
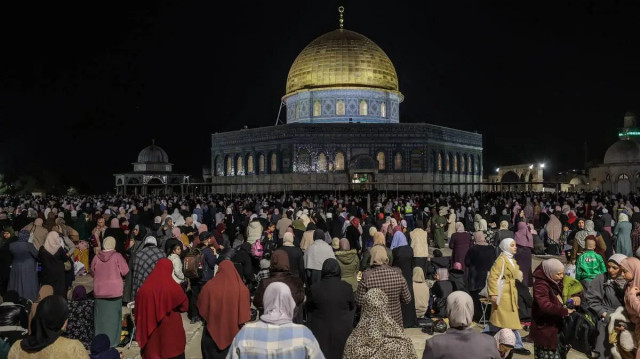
(623, 151)
(153, 154)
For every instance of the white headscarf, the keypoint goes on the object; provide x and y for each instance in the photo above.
(505, 248)
(460, 309)
(278, 304)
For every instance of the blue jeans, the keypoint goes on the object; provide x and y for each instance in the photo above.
(493, 329)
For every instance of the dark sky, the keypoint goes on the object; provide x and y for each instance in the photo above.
(84, 87)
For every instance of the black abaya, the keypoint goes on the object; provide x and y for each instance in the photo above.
(403, 259)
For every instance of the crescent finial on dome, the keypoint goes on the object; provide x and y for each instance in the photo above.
(341, 11)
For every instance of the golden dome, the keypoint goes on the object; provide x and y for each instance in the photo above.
(341, 58)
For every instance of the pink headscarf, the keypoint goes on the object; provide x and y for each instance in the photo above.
(176, 232)
(115, 223)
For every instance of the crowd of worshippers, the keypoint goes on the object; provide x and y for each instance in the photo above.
(321, 276)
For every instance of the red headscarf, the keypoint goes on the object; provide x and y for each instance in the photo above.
(224, 304)
(355, 222)
(158, 296)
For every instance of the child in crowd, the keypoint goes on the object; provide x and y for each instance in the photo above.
(589, 264)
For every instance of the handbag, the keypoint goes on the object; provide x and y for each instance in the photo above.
(484, 292)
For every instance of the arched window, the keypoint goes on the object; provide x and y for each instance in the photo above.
(463, 167)
(440, 161)
(340, 110)
(218, 166)
(380, 158)
(455, 163)
(261, 163)
(363, 107)
(447, 163)
(416, 160)
(471, 163)
(383, 109)
(317, 111)
(476, 165)
(239, 166)
(397, 161)
(304, 161)
(274, 162)
(250, 164)
(339, 162)
(229, 166)
(322, 162)
(623, 177)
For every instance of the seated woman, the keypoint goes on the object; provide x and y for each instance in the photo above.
(80, 325)
(275, 334)
(14, 317)
(439, 293)
(460, 340)
(420, 292)
(603, 295)
(506, 341)
(45, 340)
(377, 335)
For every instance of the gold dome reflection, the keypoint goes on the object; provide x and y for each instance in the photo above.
(341, 58)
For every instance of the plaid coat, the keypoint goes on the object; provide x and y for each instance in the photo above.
(391, 281)
(145, 261)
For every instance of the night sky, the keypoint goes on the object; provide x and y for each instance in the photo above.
(84, 87)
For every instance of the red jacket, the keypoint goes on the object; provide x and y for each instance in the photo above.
(547, 311)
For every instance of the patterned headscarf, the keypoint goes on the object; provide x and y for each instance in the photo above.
(377, 335)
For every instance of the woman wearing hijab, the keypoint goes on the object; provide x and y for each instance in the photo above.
(279, 272)
(460, 243)
(330, 310)
(479, 260)
(505, 340)
(24, 274)
(603, 295)
(224, 306)
(631, 273)
(296, 257)
(380, 241)
(439, 222)
(349, 263)
(308, 236)
(100, 348)
(108, 268)
(138, 235)
(378, 335)
(38, 232)
(275, 335)
(440, 291)
(622, 235)
(159, 302)
(548, 310)
(81, 324)
(354, 233)
(45, 291)
(118, 234)
(45, 340)
(145, 261)
(579, 240)
(460, 340)
(390, 280)
(524, 244)
(403, 259)
(504, 297)
(503, 232)
(315, 255)
(420, 292)
(451, 223)
(52, 259)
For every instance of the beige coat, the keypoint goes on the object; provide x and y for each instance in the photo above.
(451, 224)
(419, 243)
(505, 315)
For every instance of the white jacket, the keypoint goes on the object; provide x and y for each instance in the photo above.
(177, 274)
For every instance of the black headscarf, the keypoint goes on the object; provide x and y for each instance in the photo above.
(46, 325)
(318, 234)
(311, 226)
(330, 268)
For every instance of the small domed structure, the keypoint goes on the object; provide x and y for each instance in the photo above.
(153, 154)
(623, 151)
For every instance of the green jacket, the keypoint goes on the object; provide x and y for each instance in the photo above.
(589, 265)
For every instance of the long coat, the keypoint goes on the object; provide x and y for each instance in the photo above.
(479, 260)
(403, 259)
(24, 270)
(547, 311)
(622, 235)
(330, 308)
(439, 235)
(460, 244)
(349, 266)
(53, 272)
(505, 314)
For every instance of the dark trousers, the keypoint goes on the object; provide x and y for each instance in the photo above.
(209, 347)
(193, 299)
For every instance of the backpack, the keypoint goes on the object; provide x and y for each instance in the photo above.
(192, 264)
(579, 331)
(256, 249)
